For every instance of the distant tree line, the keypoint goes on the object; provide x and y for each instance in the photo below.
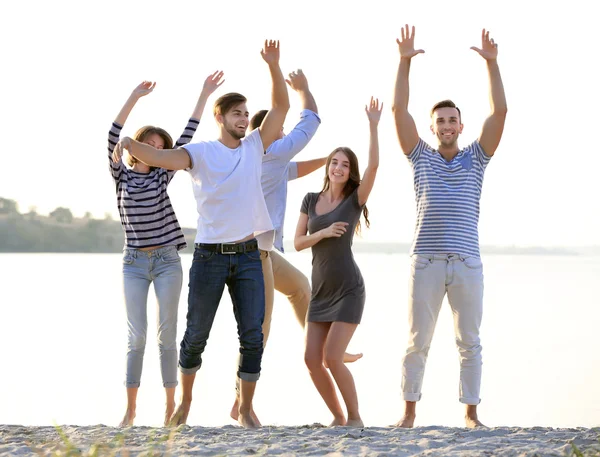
(60, 231)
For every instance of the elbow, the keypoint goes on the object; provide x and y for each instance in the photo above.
(298, 245)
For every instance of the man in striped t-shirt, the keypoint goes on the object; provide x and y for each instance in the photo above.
(445, 250)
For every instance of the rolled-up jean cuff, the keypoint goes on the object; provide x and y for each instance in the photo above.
(469, 401)
(249, 377)
(168, 385)
(189, 370)
(131, 385)
(411, 396)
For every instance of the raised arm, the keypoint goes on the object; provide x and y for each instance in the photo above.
(280, 102)
(211, 83)
(489, 139)
(298, 82)
(306, 167)
(170, 159)
(373, 111)
(405, 124)
(144, 88)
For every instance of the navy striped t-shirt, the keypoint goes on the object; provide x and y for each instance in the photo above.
(447, 196)
(147, 217)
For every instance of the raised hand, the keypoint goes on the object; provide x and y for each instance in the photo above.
(407, 44)
(489, 48)
(144, 88)
(335, 230)
(373, 110)
(122, 145)
(213, 82)
(270, 52)
(297, 81)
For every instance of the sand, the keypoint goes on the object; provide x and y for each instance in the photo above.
(300, 440)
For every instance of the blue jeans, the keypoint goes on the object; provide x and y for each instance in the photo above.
(210, 272)
(162, 267)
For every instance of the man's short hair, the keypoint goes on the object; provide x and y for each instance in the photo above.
(257, 119)
(226, 102)
(445, 104)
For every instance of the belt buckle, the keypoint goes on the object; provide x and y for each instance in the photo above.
(223, 251)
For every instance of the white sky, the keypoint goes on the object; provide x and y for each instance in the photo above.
(67, 68)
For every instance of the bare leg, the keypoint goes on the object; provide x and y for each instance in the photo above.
(181, 413)
(245, 418)
(235, 409)
(408, 420)
(170, 403)
(131, 404)
(316, 335)
(340, 334)
(471, 419)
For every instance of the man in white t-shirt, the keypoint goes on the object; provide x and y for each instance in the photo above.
(233, 222)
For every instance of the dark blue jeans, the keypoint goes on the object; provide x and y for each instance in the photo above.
(210, 272)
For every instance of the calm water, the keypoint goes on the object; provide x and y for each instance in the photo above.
(63, 340)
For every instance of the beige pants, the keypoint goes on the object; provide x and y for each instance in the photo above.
(433, 277)
(282, 276)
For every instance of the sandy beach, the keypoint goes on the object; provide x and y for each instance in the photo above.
(313, 439)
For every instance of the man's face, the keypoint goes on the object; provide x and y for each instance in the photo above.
(235, 122)
(446, 126)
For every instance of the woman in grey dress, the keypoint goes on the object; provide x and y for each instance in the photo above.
(331, 217)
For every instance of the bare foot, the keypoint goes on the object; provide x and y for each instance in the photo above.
(235, 412)
(128, 418)
(338, 421)
(168, 413)
(473, 422)
(247, 421)
(180, 415)
(408, 421)
(356, 423)
(348, 358)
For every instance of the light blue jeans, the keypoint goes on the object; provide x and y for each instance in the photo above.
(162, 267)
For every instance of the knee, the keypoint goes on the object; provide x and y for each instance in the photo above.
(313, 361)
(137, 342)
(167, 339)
(468, 349)
(333, 361)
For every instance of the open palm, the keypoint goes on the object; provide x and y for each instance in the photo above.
(270, 53)
(213, 81)
(489, 48)
(406, 44)
(373, 110)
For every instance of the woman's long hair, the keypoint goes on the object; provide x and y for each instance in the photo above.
(353, 180)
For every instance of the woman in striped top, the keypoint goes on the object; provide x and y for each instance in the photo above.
(153, 238)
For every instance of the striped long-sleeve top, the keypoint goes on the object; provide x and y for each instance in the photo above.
(147, 217)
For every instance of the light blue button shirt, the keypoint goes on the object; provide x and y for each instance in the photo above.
(277, 169)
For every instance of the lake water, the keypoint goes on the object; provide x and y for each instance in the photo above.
(63, 345)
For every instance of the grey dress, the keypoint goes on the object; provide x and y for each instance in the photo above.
(338, 290)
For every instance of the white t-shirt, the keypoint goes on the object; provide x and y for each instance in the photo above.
(229, 196)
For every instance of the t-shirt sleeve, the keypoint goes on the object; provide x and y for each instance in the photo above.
(305, 204)
(116, 169)
(292, 143)
(254, 143)
(415, 154)
(480, 154)
(195, 151)
(292, 171)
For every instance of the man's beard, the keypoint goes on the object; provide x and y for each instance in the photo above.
(236, 133)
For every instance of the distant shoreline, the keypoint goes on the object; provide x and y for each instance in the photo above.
(62, 233)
